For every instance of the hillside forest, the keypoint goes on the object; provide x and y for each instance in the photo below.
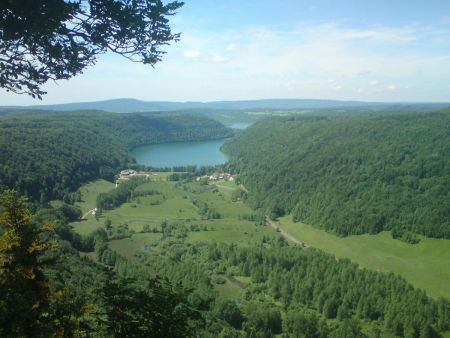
(351, 175)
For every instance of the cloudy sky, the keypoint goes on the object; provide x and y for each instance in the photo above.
(383, 50)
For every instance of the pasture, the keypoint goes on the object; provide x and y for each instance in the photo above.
(425, 265)
(173, 202)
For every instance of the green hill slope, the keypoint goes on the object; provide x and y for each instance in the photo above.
(47, 155)
(351, 175)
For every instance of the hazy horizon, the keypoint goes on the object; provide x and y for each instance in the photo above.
(41, 103)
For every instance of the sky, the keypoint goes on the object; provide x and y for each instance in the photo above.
(377, 50)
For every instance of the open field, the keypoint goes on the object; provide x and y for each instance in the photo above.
(425, 265)
(90, 191)
(173, 202)
(128, 246)
(231, 185)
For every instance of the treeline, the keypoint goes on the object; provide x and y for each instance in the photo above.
(319, 295)
(48, 155)
(351, 175)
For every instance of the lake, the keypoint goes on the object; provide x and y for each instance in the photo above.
(181, 154)
(241, 125)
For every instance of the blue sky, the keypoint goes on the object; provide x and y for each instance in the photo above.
(397, 50)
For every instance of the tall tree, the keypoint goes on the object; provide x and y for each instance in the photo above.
(43, 40)
(24, 290)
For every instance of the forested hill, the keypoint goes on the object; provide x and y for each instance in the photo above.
(351, 175)
(47, 155)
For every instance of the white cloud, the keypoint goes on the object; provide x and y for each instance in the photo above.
(192, 54)
(232, 47)
(392, 87)
(373, 82)
(218, 58)
(389, 35)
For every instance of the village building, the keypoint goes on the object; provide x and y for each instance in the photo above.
(127, 172)
(218, 176)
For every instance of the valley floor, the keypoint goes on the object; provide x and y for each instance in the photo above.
(425, 265)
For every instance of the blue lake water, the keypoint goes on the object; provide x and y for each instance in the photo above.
(241, 125)
(181, 154)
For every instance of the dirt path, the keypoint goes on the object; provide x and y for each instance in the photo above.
(243, 188)
(285, 234)
(89, 212)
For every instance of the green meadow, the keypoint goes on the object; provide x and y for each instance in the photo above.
(426, 265)
(90, 191)
(174, 202)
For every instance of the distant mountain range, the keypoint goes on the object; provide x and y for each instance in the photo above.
(133, 105)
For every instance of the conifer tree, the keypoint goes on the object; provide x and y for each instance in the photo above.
(24, 291)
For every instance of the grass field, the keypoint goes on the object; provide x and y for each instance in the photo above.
(231, 185)
(90, 191)
(174, 203)
(426, 265)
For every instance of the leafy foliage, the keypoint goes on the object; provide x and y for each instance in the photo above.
(350, 175)
(57, 39)
(152, 309)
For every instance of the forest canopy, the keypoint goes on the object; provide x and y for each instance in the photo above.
(350, 175)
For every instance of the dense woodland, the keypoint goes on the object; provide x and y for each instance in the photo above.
(48, 155)
(318, 295)
(54, 282)
(351, 175)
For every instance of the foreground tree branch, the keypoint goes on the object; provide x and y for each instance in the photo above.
(43, 40)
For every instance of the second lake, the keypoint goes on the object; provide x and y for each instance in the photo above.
(201, 153)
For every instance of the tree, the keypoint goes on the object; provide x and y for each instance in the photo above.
(229, 311)
(348, 328)
(108, 224)
(155, 309)
(24, 291)
(43, 40)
